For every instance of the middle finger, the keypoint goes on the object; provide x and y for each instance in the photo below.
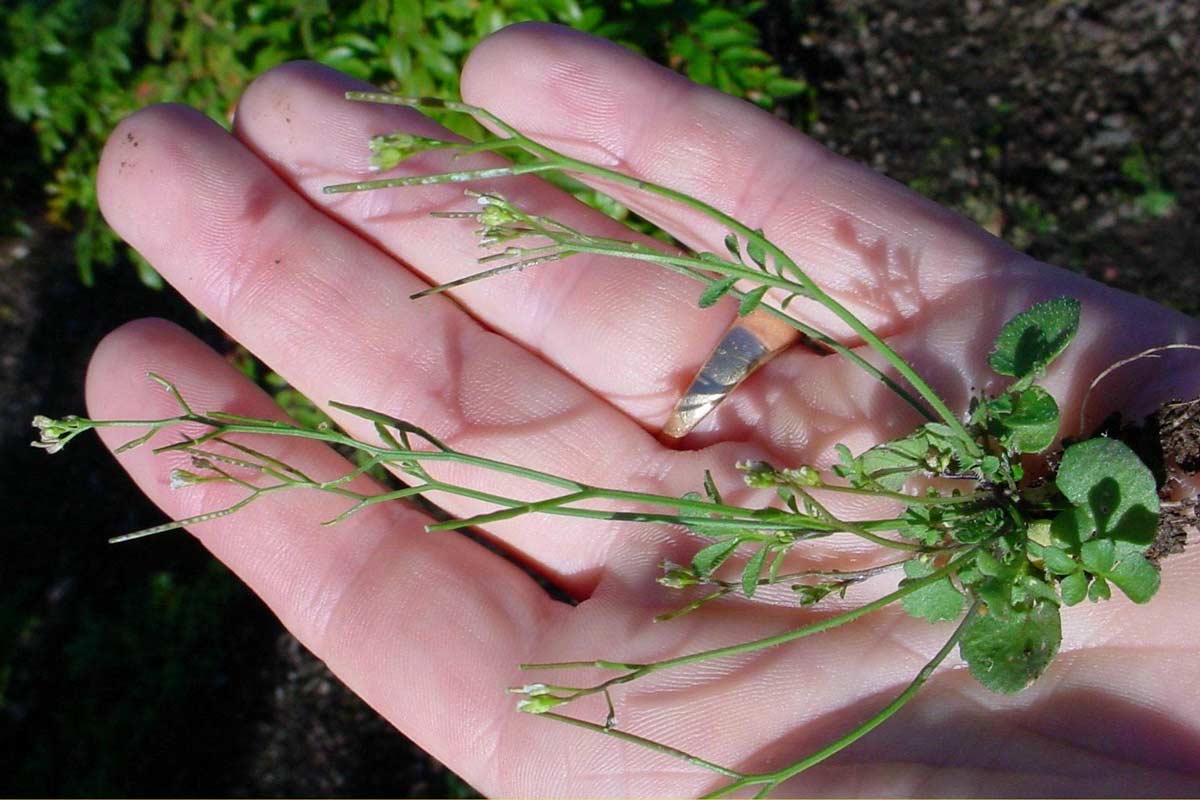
(630, 331)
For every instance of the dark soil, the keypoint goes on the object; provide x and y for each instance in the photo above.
(1070, 128)
(1177, 429)
(1055, 125)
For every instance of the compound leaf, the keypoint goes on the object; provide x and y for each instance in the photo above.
(1031, 340)
(1133, 574)
(1006, 653)
(1107, 480)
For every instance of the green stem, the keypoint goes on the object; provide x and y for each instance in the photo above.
(910, 499)
(773, 779)
(658, 747)
(555, 505)
(640, 670)
(553, 160)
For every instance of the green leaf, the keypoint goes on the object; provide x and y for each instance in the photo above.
(933, 603)
(1069, 527)
(1031, 340)
(781, 87)
(1155, 203)
(1099, 590)
(1033, 421)
(751, 300)
(1133, 574)
(708, 559)
(753, 571)
(979, 525)
(890, 464)
(731, 244)
(1108, 480)
(988, 564)
(715, 291)
(1098, 555)
(1059, 561)
(756, 252)
(1074, 588)
(1036, 587)
(1008, 653)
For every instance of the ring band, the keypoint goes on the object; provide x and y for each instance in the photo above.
(750, 342)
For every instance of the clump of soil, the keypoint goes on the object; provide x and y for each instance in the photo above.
(1178, 428)
(1168, 441)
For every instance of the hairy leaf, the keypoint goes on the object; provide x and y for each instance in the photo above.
(1107, 479)
(715, 291)
(751, 300)
(708, 559)
(756, 252)
(731, 244)
(1136, 577)
(1131, 572)
(933, 603)
(753, 571)
(890, 464)
(1033, 420)
(1006, 653)
(1031, 340)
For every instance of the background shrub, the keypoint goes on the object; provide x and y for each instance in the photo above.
(72, 69)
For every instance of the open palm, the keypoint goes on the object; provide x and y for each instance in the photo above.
(569, 370)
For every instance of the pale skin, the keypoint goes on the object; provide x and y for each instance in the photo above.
(570, 370)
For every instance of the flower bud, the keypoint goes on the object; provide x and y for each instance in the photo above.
(540, 704)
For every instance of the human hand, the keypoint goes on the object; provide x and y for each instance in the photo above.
(566, 370)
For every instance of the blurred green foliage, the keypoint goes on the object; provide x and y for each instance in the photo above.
(73, 68)
(1153, 200)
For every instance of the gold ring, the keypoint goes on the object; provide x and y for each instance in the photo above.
(750, 342)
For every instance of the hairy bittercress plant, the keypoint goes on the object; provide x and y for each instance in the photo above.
(997, 552)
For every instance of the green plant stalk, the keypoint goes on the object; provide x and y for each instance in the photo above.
(640, 670)
(773, 779)
(734, 517)
(556, 161)
(770, 780)
(659, 747)
(816, 524)
(729, 587)
(689, 266)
